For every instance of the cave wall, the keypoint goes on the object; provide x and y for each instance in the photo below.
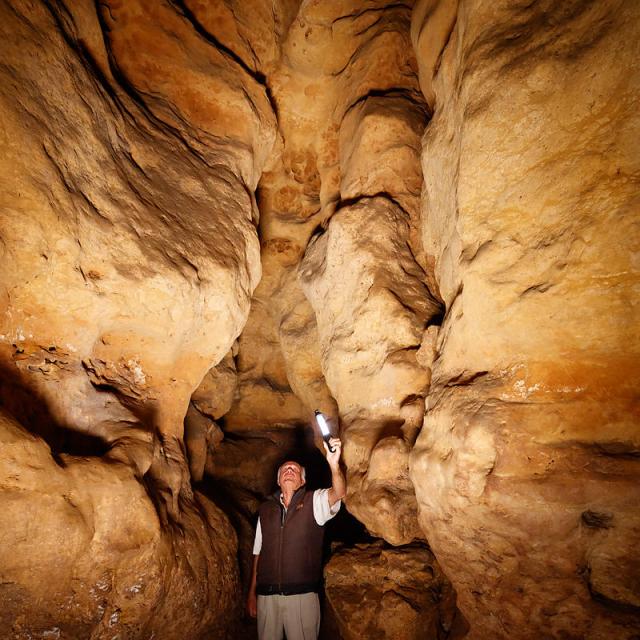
(131, 151)
(417, 217)
(526, 469)
(84, 553)
(138, 216)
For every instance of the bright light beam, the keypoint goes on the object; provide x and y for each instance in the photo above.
(324, 429)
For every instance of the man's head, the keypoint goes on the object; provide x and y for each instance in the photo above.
(291, 475)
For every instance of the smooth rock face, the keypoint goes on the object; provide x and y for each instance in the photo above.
(375, 591)
(526, 469)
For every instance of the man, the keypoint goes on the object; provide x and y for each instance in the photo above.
(287, 552)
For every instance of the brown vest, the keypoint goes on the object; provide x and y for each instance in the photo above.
(291, 556)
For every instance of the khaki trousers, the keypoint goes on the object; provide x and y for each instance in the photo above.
(298, 616)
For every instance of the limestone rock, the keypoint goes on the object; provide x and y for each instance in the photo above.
(186, 180)
(356, 276)
(380, 155)
(252, 31)
(83, 552)
(526, 469)
(141, 253)
(202, 435)
(298, 333)
(374, 591)
(131, 149)
(347, 92)
(209, 402)
(214, 395)
(351, 115)
(354, 286)
(263, 396)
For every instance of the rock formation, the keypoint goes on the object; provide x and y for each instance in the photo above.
(415, 216)
(526, 468)
(132, 148)
(378, 592)
(84, 553)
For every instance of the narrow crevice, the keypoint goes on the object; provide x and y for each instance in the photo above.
(257, 76)
(466, 378)
(410, 95)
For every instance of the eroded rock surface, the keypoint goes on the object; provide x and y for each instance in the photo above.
(526, 469)
(376, 591)
(142, 252)
(80, 537)
(215, 220)
(210, 401)
(131, 150)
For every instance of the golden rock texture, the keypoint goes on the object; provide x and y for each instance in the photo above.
(375, 591)
(342, 196)
(131, 151)
(418, 217)
(142, 253)
(526, 469)
(84, 554)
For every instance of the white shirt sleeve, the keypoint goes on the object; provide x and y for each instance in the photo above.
(322, 512)
(257, 543)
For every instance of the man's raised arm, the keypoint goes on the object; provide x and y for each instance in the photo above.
(338, 484)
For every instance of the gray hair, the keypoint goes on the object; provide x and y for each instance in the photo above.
(303, 471)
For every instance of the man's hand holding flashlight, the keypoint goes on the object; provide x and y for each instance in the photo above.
(333, 457)
(338, 487)
(333, 449)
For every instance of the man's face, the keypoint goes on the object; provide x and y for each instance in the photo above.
(290, 476)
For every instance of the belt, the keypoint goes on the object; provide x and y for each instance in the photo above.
(286, 589)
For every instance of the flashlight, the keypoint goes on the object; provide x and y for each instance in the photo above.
(324, 428)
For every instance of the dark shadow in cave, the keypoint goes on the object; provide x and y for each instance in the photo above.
(20, 398)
